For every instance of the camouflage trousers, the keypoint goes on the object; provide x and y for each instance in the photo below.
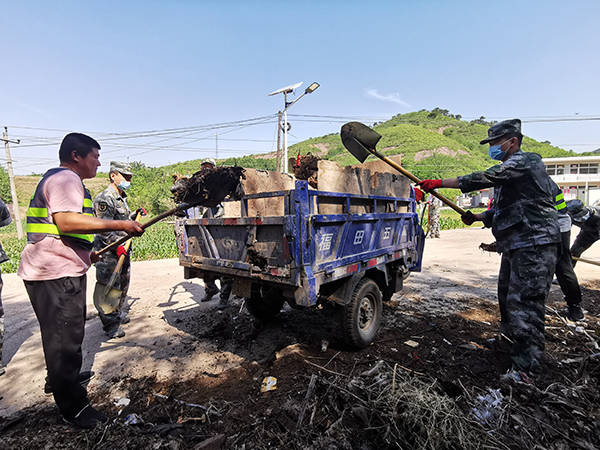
(104, 270)
(523, 285)
(1, 320)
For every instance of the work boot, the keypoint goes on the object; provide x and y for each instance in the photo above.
(125, 319)
(209, 293)
(575, 312)
(83, 378)
(115, 333)
(87, 418)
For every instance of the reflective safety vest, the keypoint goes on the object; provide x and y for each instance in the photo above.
(559, 202)
(40, 224)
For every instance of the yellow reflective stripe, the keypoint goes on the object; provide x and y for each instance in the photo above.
(37, 212)
(560, 196)
(88, 214)
(50, 228)
(563, 205)
(87, 203)
(47, 228)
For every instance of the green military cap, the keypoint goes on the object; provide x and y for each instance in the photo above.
(510, 126)
(121, 167)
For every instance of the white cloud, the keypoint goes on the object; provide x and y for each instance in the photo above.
(394, 97)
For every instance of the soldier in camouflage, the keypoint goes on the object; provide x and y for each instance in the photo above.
(210, 286)
(111, 204)
(524, 222)
(435, 206)
(587, 218)
(5, 219)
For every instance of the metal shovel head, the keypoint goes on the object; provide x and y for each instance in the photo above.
(358, 138)
(106, 303)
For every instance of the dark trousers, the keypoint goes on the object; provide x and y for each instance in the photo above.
(565, 274)
(523, 285)
(583, 241)
(60, 309)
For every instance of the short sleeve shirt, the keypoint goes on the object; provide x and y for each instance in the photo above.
(53, 258)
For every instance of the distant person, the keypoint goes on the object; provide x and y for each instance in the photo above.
(210, 287)
(54, 263)
(4, 220)
(564, 265)
(111, 204)
(525, 225)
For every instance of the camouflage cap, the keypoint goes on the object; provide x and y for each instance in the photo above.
(496, 131)
(209, 161)
(121, 167)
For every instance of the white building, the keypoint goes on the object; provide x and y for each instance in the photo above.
(577, 176)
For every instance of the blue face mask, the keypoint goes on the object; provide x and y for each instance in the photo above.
(496, 153)
(124, 185)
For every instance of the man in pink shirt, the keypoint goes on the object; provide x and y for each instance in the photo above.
(60, 227)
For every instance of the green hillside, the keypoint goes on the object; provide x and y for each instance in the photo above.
(434, 144)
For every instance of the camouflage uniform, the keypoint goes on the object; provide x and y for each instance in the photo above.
(111, 205)
(5, 219)
(524, 222)
(209, 279)
(587, 218)
(434, 217)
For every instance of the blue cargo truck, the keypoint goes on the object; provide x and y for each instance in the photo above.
(356, 260)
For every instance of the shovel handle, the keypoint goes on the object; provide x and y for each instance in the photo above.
(409, 175)
(151, 222)
(119, 265)
(589, 261)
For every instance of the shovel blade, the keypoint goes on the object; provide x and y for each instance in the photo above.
(108, 303)
(358, 138)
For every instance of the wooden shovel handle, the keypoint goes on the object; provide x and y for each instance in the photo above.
(144, 226)
(406, 173)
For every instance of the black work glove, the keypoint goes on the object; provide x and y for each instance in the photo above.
(468, 218)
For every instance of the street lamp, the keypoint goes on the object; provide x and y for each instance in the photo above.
(287, 105)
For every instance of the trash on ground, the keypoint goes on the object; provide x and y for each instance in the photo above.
(133, 419)
(489, 408)
(268, 384)
(411, 343)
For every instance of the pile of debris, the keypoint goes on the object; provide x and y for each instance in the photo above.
(306, 168)
(209, 186)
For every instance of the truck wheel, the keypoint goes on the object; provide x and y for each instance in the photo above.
(265, 303)
(362, 315)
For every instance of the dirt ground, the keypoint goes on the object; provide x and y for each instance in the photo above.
(192, 374)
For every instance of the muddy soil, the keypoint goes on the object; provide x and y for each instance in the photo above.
(200, 386)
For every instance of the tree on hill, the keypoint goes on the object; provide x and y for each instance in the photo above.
(4, 186)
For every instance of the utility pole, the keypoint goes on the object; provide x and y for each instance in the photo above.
(11, 177)
(279, 157)
(216, 146)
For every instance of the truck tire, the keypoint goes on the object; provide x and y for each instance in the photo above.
(265, 303)
(361, 317)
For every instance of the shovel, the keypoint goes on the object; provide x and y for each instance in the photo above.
(120, 263)
(151, 222)
(360, 141)
(107, 298)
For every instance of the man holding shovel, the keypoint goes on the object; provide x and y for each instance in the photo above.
(111, 204)
(524, 222)
(54, 263)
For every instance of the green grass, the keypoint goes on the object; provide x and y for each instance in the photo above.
(450, 220)
(158, 242)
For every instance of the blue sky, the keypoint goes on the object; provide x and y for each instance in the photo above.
(107, 67)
